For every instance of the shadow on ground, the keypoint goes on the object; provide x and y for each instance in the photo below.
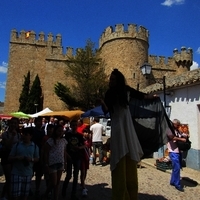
(95, 192)
(188, 182)
(150, 197)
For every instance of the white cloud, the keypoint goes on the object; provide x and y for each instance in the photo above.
(171, 2)
(2, 85)
(195, 65)
(198, 50)
(4, 67)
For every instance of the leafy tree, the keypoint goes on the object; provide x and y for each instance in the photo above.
(86, 70)
(65, 95)
(24, 94)
(35, 96)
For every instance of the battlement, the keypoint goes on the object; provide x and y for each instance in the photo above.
(159, 60)
(186, 55)
(134, 32)
(30, 38)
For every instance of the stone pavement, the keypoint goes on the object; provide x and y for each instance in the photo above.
(153, 184)
(186, 173)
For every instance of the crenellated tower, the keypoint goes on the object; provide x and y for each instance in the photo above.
(126, 50)
(183, 59)
(42, 55)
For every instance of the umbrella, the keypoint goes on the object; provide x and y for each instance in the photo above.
(69, 115)
(20, 115)
(46, 110)
(5, 116)
(95, 112)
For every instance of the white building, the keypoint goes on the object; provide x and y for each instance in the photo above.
(183, 103)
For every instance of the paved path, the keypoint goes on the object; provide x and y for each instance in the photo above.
(153, 185)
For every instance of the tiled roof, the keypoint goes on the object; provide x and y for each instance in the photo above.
(188, 78)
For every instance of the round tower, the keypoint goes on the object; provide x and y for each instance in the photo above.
(183, 59)
(125, 50)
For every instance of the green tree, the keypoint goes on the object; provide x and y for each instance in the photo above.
(35, 96)
(24, 94)
(86, 69)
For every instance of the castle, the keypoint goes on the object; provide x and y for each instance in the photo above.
(126, 50)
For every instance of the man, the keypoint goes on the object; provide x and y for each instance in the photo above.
(51, 121)
(175, 155)
(97, 141)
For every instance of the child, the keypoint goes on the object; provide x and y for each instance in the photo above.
(85, 160)
(55, 160)
(74, 149)
(23, 155)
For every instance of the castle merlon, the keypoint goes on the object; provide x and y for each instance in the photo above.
(30, 37)
(185, 55)
(56, 53)
(69, 51)
(159, 60)
(133, 31)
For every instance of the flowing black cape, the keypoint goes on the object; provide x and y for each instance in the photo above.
(151, 124)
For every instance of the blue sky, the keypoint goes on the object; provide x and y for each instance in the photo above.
(171, 23)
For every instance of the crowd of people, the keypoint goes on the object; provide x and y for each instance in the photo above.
(49, 148)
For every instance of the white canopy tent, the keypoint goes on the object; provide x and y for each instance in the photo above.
(46, 110)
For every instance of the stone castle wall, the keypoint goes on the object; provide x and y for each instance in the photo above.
(124, 49)
(39, 56)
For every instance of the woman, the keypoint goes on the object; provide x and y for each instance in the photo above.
(55, 160)
(125, 147)
(9, 138)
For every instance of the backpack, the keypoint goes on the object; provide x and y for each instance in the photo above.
(184, 146)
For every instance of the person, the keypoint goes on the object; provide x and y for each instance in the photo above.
(185, 132)
(9, 139)
(81, 126)
(106, 151)
(97, 140)
(56, 121)
(55, 160)
(44, 124)
(85, 160)
(74, 149)
(29, 123)
(126, 150)
(50, 129)
(26, 123)
(37, 138)
(175, 154)
(51, 121)
(22, 156)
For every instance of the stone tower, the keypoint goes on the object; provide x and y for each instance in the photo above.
(126, 50)
(42, 56)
